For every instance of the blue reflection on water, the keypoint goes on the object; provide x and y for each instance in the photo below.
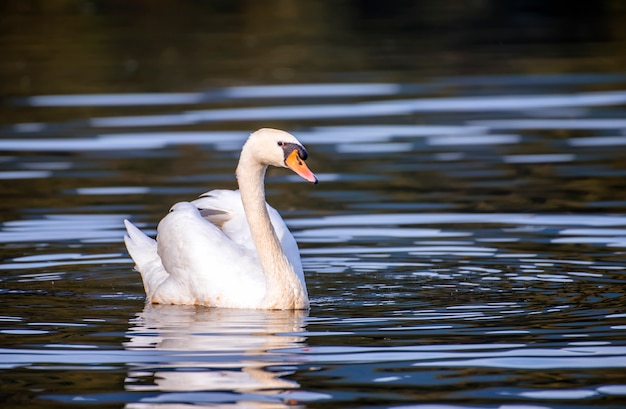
(411, 288)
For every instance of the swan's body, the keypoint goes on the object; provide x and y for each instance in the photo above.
(228, 248)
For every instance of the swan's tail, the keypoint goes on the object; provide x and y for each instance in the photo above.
(143, 251)
(141, 247)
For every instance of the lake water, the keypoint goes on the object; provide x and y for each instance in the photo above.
(465, 247)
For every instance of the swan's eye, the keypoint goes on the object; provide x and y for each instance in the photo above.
(280, 143)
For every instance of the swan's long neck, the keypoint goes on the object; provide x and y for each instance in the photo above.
(284, 290)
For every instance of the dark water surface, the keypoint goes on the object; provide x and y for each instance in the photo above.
(465, 247)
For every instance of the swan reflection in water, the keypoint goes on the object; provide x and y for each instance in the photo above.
(212, 355)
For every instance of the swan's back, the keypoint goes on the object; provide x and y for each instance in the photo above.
(204, 264)
(224, 209)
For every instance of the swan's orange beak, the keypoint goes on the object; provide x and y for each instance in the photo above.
(295, 163)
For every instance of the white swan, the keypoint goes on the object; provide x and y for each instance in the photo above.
(228, 248)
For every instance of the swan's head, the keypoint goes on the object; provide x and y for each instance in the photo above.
(280, 149)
